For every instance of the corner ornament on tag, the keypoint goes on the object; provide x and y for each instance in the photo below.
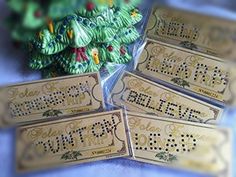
(140, 95)
(181, 144)
(74, 140)
(52, 98)
(202, 74)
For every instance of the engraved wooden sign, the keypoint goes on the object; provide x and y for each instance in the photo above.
(194, 31)
(140, 95)
(181, 144)
(53, 98)
(202, 74)
(72, 141)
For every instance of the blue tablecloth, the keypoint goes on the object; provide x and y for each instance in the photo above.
(13, 68)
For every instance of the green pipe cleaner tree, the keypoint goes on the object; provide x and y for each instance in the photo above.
(97, 33)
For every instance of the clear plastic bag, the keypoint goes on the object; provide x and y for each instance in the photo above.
(112, 72)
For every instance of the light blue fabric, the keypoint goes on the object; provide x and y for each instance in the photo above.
(13, 68)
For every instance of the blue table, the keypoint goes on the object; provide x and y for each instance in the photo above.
(13, 68)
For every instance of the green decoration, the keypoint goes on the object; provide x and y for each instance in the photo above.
(71, 155)
(181, 82)
(29, 16)
(166, 156)
(99, 32)
(188, 45)
(52, 113)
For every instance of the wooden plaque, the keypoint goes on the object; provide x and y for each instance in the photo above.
(72, 141)
(199, 73)
(140, 95)
(181, 144)
(52, 98)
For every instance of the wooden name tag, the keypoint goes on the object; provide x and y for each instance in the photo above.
(72, 141)
(202, 74)
(194, 31)
(181, 144)
(140, 95)
(53, 98)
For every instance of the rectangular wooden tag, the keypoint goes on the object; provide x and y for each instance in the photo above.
(52, 98)
(207, 34)
(72, 141)
(202, 74)
(141, 95)
(181, 144)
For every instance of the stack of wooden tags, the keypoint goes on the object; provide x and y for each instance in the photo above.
(170, 103)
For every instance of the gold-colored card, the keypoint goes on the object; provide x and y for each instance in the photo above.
(198, 32)
(181, 144)
(72, 141)
(141, 95)
(52, 98)
(202, 74)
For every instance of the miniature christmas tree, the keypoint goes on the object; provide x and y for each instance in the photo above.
(99, 32)
(28, 16)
